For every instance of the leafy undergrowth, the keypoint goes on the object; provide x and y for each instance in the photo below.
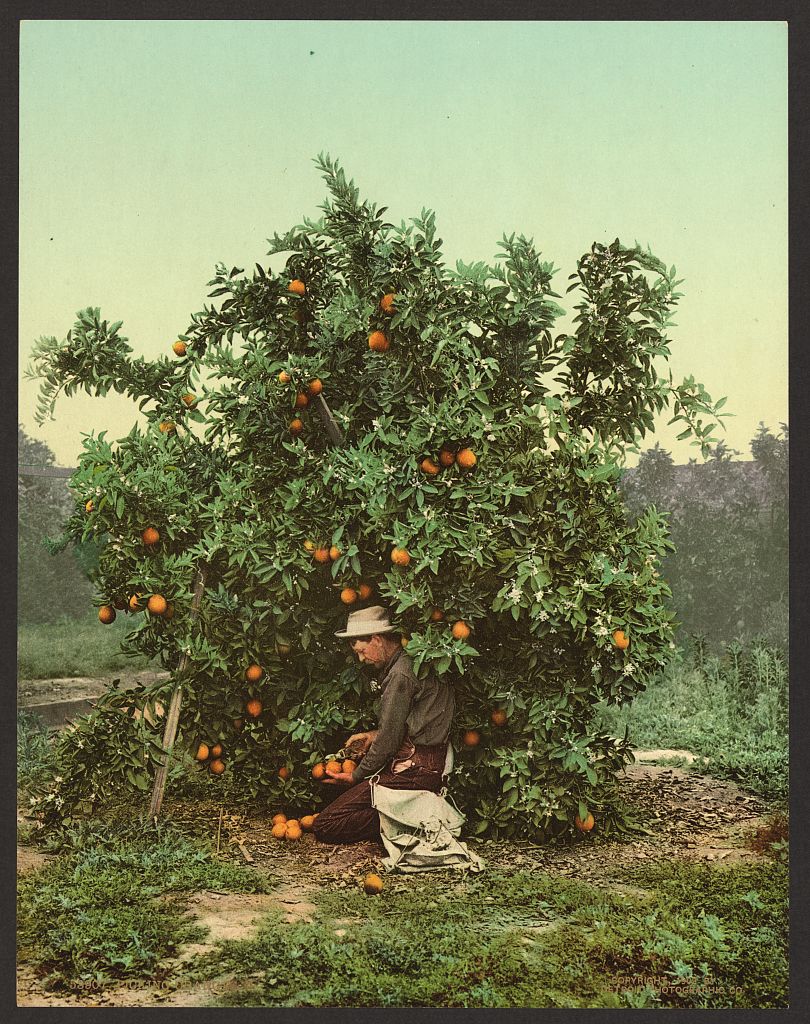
(110, 906)
(732, 709)
(670, 935)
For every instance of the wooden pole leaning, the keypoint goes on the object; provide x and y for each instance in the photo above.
(173, 716)
(330, 423)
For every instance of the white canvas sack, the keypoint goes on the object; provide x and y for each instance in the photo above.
(420, 830)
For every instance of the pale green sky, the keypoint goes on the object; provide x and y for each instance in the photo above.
(150, 150)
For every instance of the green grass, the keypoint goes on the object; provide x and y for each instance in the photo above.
(75, 647)
(528, 939)
(109, 907)
(732, 709)
(36, 755)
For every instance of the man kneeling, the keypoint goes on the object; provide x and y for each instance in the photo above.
(407, 750)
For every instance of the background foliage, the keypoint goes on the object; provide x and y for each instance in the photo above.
(728, 522)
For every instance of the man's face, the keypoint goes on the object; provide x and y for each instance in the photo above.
(369, 649)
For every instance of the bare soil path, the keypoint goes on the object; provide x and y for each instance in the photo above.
(691, 816)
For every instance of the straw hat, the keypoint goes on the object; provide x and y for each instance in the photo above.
(367, 621)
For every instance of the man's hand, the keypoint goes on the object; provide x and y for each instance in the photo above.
(343, 778)
(360, 741)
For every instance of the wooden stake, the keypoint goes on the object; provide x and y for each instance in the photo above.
(329, 421)
(219, 826)
(173, 716)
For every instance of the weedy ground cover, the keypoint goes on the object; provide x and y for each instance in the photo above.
(110, 906)
(730, 708)
(692, 936)
(74, 647)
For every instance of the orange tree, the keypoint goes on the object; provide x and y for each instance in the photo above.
(475, 495)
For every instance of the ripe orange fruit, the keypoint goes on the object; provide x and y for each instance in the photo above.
(279, 831)
(216, 767)
(387, 303)
(254, 707)
(134, 603)
(461, 630)
(472, 738)
(377, 342)
(446, 457)
(349, 765)
(293, 832)
(498, 717)
(621, 639)
(405, 640)
(372, 884)
(253, 673)
(216, 750)
(348, 595)
(157, 604)
(335, 553)
(429, 466)
(106, 614)
(301, 400)
(318, 770)
(284, 773)
(202, 752)
(89, 506)
(190, 398)
(436, 615)
(150, 536)
(297, 287)
(466, 458)
(399, 556)
(284, 377)
(166, 427)
(321, 555)
(315, 387)
(179, 348)
(364, 591)
(169, 613)
(333, 767)
(279, 819)
(293, 823)
(296, 426)
(586, 825)
(307, 822)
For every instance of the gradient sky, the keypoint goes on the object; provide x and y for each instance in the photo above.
(151, 150)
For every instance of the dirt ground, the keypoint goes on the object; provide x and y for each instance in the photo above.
(42, 691)
(692, 817)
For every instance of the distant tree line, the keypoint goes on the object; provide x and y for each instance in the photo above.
(52, 579)
(729, 523)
